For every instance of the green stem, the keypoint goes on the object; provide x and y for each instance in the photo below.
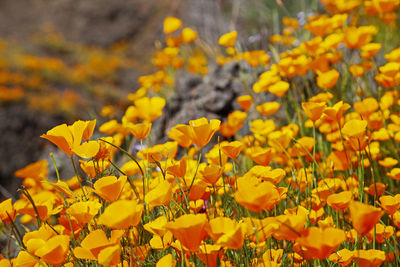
(77, 176)
(55, 166)
(195, 173)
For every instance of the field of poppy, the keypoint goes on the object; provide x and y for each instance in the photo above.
(309, 177)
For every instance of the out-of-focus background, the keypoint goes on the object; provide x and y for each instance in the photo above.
(64, 60)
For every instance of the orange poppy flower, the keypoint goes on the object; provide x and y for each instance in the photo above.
(301, 180)
(5, 262)
(166, 261)
(274, 176)
(109, 187)
(394, 173)
(160, 195)
(24, 258)
(171, 24)
(290, 226)
(112, 127)
(234, 123)
(268, 108)
(357, 37)
(106, 150)
(232, 238)
(167, 150)
(62, 187)
(280, 139)
(71, 224)
(272, 257)
(209, 254)
(130, 168)
(313, 110)
(328, 79)
(84, 211)
(376, 189)
(366, 107)
(93, 170)
(343, 257)
(46, 245)
(388, 162)
(113, 217)
(262, 127)
(7, 209)
(261, 155)
(179, 169)
(256, 197)
(232, 149)
(69, 138)
(336, 112)
(211, 173)
(258, 230)
(149, 109)
(357, 70)
(45, 202)
(139, 130)
(54, 251)
(340, 201)
(363, 216)
(279, 88)
(96, 246)
(157, 226)
(179, 136)
(354, 130)
(370, 50)
(161, 242)
(228, 39)
(110, 255)
(396, 219)
(370, 257)
(226, 232)
(245, 102)
(389, 204)
(199, 190)
(37, 170)
(200, 131)
(188, 35)
(320, 243)
(197, 205)
(218, 226)
(189, 229)
(380, 234)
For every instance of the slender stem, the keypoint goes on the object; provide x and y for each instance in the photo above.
(197, 168)
(55, 166)
(77, 176)
(15, 229)
(29, 197)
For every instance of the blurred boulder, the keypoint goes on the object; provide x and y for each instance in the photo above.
(211, 96)
(20, 142)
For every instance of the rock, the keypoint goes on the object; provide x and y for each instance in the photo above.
(20, 141)
(211, 96)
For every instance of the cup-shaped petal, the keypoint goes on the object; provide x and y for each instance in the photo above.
(109, 187)
(364, 217)
(121, 214)
(189, 229)
(54, 252)
(340, 201)
(84, 211)
(319, 242)
(160, 195)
